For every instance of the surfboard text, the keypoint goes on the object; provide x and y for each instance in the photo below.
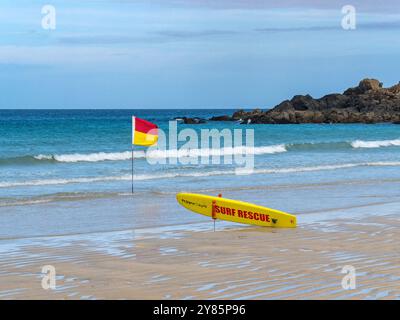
(242, 213)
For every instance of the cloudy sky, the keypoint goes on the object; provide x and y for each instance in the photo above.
(190, 53)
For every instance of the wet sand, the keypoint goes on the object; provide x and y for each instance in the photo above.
(231, 263)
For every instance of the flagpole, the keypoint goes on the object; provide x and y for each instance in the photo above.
(132, 166)
(132, 142)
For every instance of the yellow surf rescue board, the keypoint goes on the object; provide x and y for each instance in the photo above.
(236, 211)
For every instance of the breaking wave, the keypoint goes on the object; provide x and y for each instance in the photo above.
(193, 174)
(180, 153)
(375, 144)
(119, 156)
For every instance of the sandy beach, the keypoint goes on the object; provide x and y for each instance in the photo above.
(234, 262)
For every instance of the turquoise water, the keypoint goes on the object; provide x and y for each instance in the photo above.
(76, 153)
(69, 172)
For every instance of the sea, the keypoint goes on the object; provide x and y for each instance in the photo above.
(70, 171)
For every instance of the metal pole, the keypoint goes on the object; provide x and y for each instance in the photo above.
(213, 215)
(132, 167)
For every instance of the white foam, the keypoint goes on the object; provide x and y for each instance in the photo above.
(45, 182)
(91, 157)
(375, 144)
(194, 174)
(228, 151)
(174, 153)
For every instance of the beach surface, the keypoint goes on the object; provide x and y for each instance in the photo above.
(191, 261)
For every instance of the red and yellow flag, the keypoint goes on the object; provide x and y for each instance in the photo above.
(144, 133)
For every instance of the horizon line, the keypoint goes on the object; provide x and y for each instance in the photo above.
(39, 109)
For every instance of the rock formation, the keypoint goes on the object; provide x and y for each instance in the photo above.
(369, 102)
(187, 120)
(221, 118)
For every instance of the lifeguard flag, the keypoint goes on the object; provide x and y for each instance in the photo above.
(144, 133)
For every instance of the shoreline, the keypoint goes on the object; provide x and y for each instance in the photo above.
(126, 212)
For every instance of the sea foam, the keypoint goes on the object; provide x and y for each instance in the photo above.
(170, 175)
(375, 144)
(174, 153)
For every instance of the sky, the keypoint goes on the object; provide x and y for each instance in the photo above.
(187, 54)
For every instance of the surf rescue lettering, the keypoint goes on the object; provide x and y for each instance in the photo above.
(242, 213)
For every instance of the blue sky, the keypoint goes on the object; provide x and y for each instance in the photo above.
(190, 54)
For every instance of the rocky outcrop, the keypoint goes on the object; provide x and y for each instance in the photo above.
(239, 115)
(193, 120)
(221, 118)
(369, 102)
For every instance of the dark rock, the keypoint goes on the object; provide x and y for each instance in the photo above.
(193, 120)
(221, 118)
(369, 102)
(188, 120)
(240, 114)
